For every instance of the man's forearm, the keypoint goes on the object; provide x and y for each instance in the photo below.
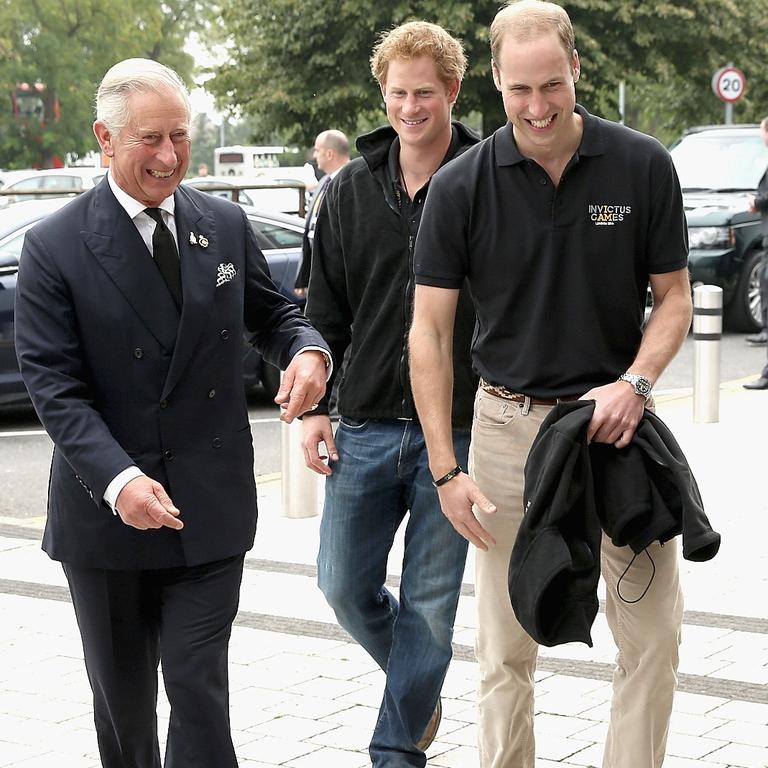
(664, 335)
(432, 384)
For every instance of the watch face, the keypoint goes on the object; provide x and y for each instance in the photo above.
(643, 386)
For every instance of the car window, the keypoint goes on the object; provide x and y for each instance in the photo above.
(245, 199)
(708, 161)
(26, 184)
(10, 249)
(62, 182)
(272, 235)
(227, 194)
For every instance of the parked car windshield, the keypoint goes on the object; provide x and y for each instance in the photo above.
(277, 236)
(728, 160)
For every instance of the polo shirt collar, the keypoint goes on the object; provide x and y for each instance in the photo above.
(592, 140)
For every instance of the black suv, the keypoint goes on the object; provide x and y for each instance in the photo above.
(719, 166)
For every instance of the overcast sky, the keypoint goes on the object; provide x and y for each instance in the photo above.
(202, 101)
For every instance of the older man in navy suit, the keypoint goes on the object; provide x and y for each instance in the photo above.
(131, 307)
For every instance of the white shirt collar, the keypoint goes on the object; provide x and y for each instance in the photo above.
(133, 207)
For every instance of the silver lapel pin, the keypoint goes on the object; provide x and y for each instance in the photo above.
(192, 239)
(203, 240)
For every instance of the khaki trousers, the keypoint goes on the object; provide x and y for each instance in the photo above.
(647, 632)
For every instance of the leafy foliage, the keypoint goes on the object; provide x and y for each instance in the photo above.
(303, 67)
(666, 52)
(68, 45)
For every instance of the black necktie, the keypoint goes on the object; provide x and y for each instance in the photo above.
(165, 254)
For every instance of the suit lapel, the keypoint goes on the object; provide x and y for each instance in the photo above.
(117, 246)
(318, 198)
(198, 279)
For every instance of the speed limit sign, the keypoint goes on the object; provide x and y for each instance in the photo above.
(728, 84)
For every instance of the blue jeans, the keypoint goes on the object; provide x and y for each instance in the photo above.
(381, 474)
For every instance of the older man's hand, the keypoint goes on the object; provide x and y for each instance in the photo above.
(303, 384)
(144, 504)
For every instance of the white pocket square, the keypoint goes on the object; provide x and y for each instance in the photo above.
(225, 273)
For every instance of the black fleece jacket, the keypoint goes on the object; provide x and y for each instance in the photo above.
(360, 294)
(637, 495)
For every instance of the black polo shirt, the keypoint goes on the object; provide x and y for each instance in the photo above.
(558, 274)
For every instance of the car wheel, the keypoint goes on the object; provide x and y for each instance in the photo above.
(744, 309)
(270, 379)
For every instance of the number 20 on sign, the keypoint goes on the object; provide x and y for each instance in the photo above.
(728, 84)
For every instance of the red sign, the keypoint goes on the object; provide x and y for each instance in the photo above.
(729, 84)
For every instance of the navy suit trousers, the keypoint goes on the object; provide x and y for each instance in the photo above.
(131, 620)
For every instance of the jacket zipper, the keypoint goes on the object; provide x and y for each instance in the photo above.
(407, 309)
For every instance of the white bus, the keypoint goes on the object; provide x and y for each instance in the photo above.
(244, 161)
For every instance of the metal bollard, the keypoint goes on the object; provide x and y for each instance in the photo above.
(707, 333)
(299, 484)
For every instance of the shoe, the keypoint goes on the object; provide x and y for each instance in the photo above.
(431, 730)
(759, 339)
(761, 383)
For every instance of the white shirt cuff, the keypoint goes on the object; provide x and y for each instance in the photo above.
(328, 359)
(117, 485)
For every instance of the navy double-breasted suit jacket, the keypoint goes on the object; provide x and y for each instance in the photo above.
(119, 378)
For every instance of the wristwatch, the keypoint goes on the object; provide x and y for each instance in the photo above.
(641, 385)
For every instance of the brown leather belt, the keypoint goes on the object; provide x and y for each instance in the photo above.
(517, 397)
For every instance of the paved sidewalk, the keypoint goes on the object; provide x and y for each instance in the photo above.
(304, 696)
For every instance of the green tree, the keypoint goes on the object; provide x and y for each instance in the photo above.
(303, 66)
(666, 53)
(67, 45)
(205, 138)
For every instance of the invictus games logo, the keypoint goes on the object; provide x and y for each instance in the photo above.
(608, 215)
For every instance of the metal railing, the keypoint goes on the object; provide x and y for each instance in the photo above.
(235, 189)
(39, 193)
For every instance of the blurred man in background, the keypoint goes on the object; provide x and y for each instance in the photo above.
(331, 153)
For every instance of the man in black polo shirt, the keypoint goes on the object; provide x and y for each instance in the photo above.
(559, 221)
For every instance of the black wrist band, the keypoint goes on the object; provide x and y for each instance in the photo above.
(457, 470)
